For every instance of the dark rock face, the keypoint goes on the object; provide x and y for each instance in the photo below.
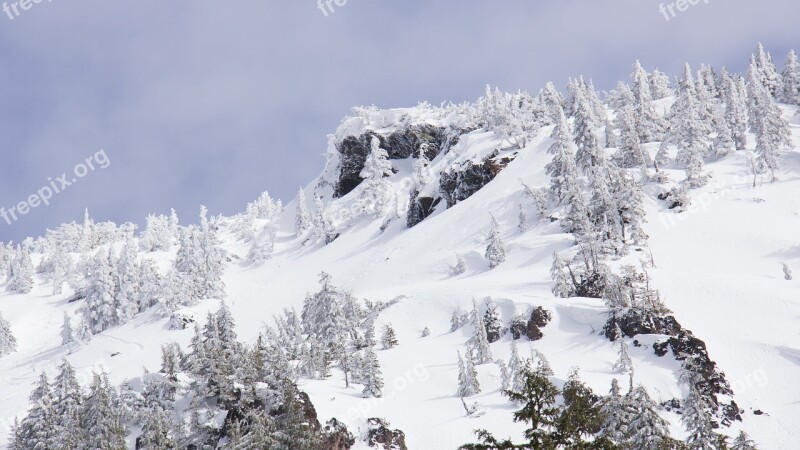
(531, 328)
(685, 347)
(381, 437)
(591, 285)
(458, 184)
(400, 144)
(420, 208)
(337, 437)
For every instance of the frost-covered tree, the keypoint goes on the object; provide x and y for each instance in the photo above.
(323, 225)
(492, 322)
(647, 429)
(649, 125)
(371, 374)
(149, 285)
(697, 420)
(771, 129)
(767, 73)
(102, 417)
(67, 334)
(157, 430)
(99, 308)
(515, 368)
(67, 401)
(588, 145)
(467, 378)
(376, 193)
(624, 363)
(480, 340)
(495, 247)
(323, 317)
(630, 204)
(389, 337)
(736, 110)
(39, 426)
(175, 293)
(553, 102)
(562, 169)
(659, 85)
(723, 143)
(212, 260)
(127, 276)
(302, 218)
(8, 344)
(62, 268)
(21, 272)
(690, 134)
(615, 415)
(787, 272)
(157, 234)
(791, 80)
(743, 442)
(630, 153)
(459, 267)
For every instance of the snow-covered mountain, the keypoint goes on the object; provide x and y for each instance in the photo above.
(637, 239)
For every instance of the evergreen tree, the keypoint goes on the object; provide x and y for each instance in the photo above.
(302, 218)
(743, 442)
(99, 310)
(156, 431)
(128, 271)
(538, 397)
(150, 285)
(211, 260)
(21, 272)
(646, 429)
(562, 169)
(323, 225)
(67, 335)
(515, 368)
(467, 378)
(581, 416)
(459, 267)
(375, 196)
(771, 129)
(8, 344)
(372, 376)
(615, 414)
(62, 268)
(630, 153)
(648, 124)
(624, 363)
(659, 85)
(67, 400)
(480, 340)
(495, 248)
(389, 338)
(39, 427)
(492, 322)
(791, 80)
(767, 73)
(736, 111)
(698, 422)
(157, 235)
(101, 417)
(588, 145)
(505, 375)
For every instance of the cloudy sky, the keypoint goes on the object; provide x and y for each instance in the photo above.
(212, 102)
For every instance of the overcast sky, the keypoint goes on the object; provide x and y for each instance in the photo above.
(212, 102)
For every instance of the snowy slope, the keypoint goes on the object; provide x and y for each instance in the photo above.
(717, 268)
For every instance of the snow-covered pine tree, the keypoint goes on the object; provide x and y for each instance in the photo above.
(67, 334)
(371, 374)
(99, 310)
(647, 429)
(375, 196)
(8, 344)
(495, 248)
(302, 218)
(468, 384)
(743, 442)
(697, 421)
(771, 129)
(322, 316)
(630, 153)
(630, 203)
(767, 73)
(563, 285)
(211, 260)
(791, 80)
(616, 418)
(736, 110)
(149, 285)
(459, 267)
(492, 322)
(480, 340)
(157, 430)
(624, 363)
(67, 400)
(649, 125)
(127, 272)
(323, 226)
(562, 169)
(389, 337)
(588, 145)
(515, 368)
(39, 426)
(62, 268)
(157, 235)
(21, 271)
(659, 85)
(101, 417)
(553, 102)
(724, 143)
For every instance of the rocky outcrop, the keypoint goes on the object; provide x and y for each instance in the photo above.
(383, 438)
(337, 436)
(461, 182)
(401, 144)
(419, 208)
(531, 328)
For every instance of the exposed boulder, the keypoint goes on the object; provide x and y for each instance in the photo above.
(420, 208)
(458, 183)
(381, 437)
(531, 328)
(337, 436)
(400, 144)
